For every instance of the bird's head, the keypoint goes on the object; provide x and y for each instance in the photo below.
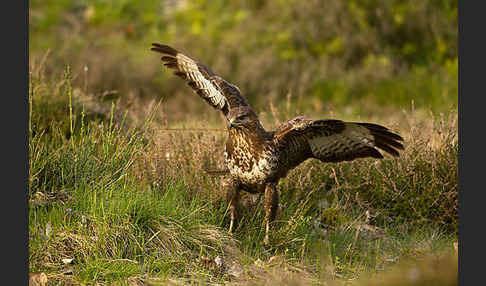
(241, 117)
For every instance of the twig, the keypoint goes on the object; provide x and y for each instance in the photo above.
(192, 129)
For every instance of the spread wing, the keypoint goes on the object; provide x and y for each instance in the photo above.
(333, 140)
(216, 91)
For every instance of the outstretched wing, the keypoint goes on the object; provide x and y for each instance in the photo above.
(216, 91)
(333, 140)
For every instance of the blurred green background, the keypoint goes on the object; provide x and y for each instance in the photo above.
(319, 55)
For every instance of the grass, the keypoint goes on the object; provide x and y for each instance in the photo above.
(129, 202)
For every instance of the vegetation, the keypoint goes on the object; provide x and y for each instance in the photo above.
(385, 53)
(120, 188)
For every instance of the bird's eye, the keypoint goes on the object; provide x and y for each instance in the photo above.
(243, 116)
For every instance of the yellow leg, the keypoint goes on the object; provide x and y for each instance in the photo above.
(233, 196)
(271, 206)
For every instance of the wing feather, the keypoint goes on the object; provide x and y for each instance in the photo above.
(334, 140)
(216, 91)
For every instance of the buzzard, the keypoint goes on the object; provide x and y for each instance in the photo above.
(256, 158)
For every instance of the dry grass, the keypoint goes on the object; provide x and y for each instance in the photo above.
(185, 153)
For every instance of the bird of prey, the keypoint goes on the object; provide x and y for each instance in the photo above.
(256, 158)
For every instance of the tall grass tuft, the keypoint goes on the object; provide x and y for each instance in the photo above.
(88, 204)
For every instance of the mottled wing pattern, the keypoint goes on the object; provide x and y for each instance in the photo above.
(216, 91)
(334, 140)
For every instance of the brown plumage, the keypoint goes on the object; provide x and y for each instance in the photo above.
(257, 159)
